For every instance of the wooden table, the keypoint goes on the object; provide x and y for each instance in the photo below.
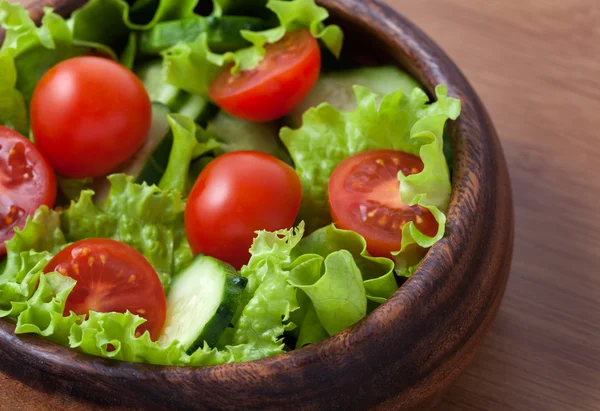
(536, 65)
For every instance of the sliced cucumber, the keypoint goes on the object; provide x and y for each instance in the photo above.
(201, 303)
(150, 162)
(237, 134)
(337, 88)
(223, 33)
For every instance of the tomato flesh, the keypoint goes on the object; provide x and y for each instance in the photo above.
(285, 76)
(364, 196)
(236, 195)
(112, 277)
(89, 115)
(26, 183)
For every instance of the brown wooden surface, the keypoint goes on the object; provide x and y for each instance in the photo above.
(536, 65)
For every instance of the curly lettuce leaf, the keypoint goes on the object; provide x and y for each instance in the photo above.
(399, 122)
(145, 217)
(13, 111)
(191, 66)
(258, 331)
(268, 298)
(190, 142)
(37, 49)
(28, 252)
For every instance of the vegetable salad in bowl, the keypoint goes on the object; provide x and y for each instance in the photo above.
(199, 183)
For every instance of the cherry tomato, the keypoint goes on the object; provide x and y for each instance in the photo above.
(236, 195)
(364, 197)
(279, 83)
(112, 277)
(88, 115)
(26, 182)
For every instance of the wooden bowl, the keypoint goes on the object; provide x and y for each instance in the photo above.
(408, 352)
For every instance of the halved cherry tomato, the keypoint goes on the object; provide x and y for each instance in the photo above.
(88, 115)
(26, 182)
(236, 195)
(364, 196)
(112, 277)
(285, 76)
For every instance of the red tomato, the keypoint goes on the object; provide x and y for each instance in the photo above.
(279, 83)
(26, 182)
(236, 195)
(112, 277)
(88, 115)
(364, 197)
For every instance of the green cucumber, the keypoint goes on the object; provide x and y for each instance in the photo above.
(237, 134)
(337, 88)
(223, 33)
(201, 303)
(148, 164)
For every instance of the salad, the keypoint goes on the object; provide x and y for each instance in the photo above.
(188, 182)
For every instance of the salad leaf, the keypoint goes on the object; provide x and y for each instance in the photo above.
(189, 142)
(13, 111)
(268, 298)
(145, 217)
(28, 252)
(192, 66)
(90, 21)
(310, 329)
(71, 188)
(338, 295)
(36, 49)
(399, 122)
(377, 273)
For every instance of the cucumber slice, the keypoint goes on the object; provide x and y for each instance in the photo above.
(201, 303)
(150, 162)
(337, 89)
(237, 134)
(223, 33)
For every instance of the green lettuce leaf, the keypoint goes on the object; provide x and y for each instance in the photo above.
(399, 122)
(28, 252)
(13, 111)
(268, 298)
(377, 273)
(39, 310)
(89, 22)
(36, 49)
(192, 66)
(145, 217)
(335, 287)
(310, 329)
(190, 142)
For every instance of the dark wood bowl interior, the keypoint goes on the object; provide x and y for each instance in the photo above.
(408, 352)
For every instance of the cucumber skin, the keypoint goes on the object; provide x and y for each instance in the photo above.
(234, 287)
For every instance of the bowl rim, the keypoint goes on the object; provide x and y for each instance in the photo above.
(425, 56)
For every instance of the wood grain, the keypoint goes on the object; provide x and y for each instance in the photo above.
(535, 63)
